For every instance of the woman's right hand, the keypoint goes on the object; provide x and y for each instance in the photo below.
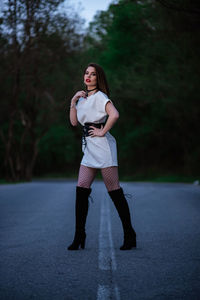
(77, 96)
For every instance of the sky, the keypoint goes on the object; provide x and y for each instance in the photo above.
(85, 8)
(88, 8)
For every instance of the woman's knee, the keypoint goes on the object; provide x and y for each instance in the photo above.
(86, 176)
(112, 185)
(83, 186)
(83, 183)
(110, 178)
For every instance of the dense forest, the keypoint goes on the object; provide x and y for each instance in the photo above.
(150, 52)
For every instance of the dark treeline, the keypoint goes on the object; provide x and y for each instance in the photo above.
(150, 52)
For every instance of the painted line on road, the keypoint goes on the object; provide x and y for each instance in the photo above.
(107, 261)
(105, 292)
(106, 250)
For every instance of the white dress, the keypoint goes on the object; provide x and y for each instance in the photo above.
(100, 152)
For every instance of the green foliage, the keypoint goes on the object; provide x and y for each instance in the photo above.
(39, 54)
(57, 146)
(151, 57)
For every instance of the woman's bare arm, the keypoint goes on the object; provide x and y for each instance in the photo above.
(113, 115)
(73, 111)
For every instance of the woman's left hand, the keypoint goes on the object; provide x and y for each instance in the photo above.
(96, 131)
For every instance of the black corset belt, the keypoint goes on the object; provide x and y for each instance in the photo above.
(86, 129)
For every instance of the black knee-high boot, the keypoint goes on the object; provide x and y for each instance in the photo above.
(121, 205)
(81, 211)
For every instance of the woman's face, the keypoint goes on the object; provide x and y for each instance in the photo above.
(90, 77)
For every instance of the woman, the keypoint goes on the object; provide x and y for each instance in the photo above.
(97, 114)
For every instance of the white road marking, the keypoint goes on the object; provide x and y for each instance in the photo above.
(117, 294)
(106, 251)
(107, 259)
(104, 292)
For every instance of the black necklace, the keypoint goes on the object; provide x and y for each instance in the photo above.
(88, 91)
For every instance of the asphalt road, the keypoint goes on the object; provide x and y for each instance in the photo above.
(37, 225)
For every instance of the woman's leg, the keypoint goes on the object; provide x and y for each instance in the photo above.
(111, 178)
(86, 176)
(83, 190)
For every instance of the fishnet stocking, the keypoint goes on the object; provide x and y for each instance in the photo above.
(110, 177)
(86, 176)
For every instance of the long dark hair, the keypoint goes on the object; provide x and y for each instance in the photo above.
(102, 84)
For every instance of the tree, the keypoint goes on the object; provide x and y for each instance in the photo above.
(151, 56)
(191, 7)
(39, 44)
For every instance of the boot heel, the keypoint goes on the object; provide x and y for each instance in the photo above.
(128, 245)
(83, 243)
(129, 242)
(78, 241)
